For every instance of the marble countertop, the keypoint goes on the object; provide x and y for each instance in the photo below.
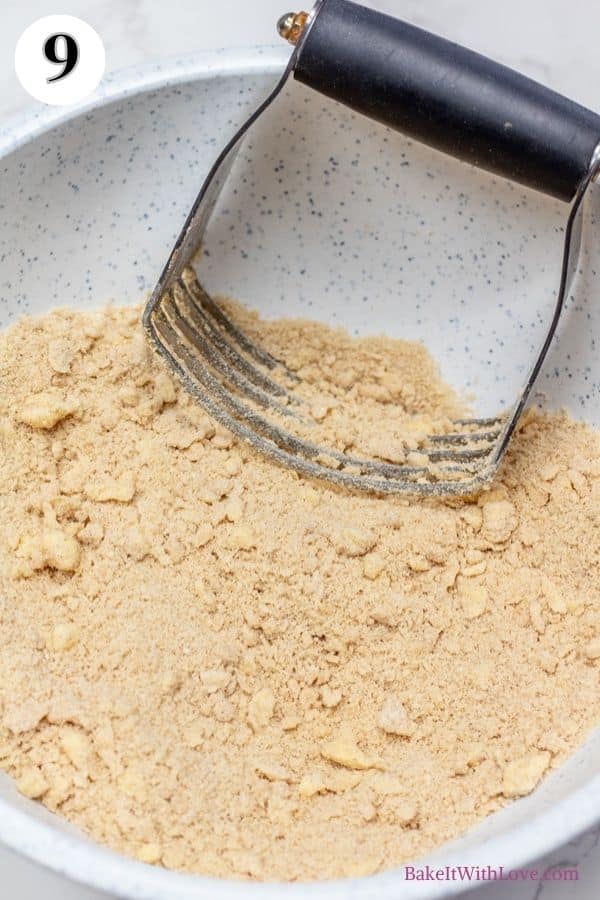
(546, 43)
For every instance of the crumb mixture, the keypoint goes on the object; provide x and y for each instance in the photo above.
(213, 664)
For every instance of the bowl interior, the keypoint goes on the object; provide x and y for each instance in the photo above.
(325, 215)
(331, 217)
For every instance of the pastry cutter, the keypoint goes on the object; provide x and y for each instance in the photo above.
(441, 94)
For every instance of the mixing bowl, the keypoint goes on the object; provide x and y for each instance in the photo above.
(333, 218)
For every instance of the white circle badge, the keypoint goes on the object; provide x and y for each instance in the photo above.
(59, 60)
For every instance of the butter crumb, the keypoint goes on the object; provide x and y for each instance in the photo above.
(473, 597)
(261, 708)
(356, 541)
(76, 746)
(242, 537)
(105, 488)
(522, 775)
(270, 769)
(311, 784)
(393, 719)
(32, 784)
(64, 636)
(592, 649)
(499, 521)
(60, 355)
(373, 565)
(46, 410)
(330, 698)
(345, 752)
(149, 853)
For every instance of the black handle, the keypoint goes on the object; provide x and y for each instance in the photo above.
(448, 97)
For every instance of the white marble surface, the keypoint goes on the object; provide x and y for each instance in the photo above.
(547, 42)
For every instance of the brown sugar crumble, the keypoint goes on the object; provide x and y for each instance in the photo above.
(213, 664)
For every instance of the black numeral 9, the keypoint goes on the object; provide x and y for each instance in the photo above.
(68, 58)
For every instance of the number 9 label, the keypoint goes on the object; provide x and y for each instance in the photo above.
(59, 60)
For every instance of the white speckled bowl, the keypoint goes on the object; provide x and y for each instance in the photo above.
(350, 224)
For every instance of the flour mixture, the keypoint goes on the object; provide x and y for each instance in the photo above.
(214, 665)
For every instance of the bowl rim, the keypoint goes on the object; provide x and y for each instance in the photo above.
(37, 118)
(66, 852)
